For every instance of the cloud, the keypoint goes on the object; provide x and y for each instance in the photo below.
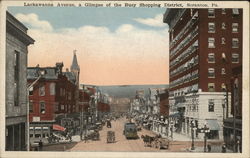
(128, 55)
(155, 22)
(33, 20)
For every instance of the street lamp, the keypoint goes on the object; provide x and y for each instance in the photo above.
(205, 130)
(41, 73)
(193, 128)
(172, 129)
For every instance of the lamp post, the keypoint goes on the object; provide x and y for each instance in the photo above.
(172, 129)
(205, 130)
(192, 126)
(41, 73)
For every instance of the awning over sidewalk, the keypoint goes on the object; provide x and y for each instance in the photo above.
(175, 115)
(213, 124)
(58, 127)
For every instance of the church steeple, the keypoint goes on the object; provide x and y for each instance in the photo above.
(74, 65)
(75, 68)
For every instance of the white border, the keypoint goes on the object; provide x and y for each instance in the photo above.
(221, 4)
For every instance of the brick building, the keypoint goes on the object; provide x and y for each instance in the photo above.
(52, 96)
(164, 103)
(233, 125)
(17, 42)
(205, 44)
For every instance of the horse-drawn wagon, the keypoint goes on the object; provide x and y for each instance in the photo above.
(110, 137)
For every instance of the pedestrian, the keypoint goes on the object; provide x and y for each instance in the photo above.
(223, 148)
(81, 135)
(40, 144)
(238, 146)
(208, 148)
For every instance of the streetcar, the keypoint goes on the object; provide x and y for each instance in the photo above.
(130, 130)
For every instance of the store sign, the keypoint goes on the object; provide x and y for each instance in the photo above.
(36, 119)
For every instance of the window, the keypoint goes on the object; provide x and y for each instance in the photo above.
(42, 90)
(16, 77)
(52, 88)
(211, 13)
(31, 91)
(235, 58)
(236, 11)
(211, 58)
(210, 105)
(69, 95)
(56, 107)
(211, 42)
(223, 87)
(223, 11)
(30, 106)
(61, 92)
(211, 73)
(235, 27)
(235, 43)
(42, 107)
(62, 107)
(223, 40)
(211, 87)
(223, 71)
(223, 25)
(211, 27)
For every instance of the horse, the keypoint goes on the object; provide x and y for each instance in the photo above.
(147, 140)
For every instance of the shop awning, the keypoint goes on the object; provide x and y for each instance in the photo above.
(58, 127)
(180, 105)
(175, 115)
(213, 124)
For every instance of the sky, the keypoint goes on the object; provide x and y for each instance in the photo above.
(114, 46)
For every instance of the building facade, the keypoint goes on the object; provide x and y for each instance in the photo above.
(205, 44)
(17, 42)
(233, 125)
(52, 96)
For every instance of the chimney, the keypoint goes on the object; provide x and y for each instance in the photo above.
(59, 67)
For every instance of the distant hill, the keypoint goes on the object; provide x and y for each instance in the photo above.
(127, 91)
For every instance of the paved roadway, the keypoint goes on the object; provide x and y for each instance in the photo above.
(121, 144)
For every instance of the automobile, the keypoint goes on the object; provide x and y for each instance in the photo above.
(130, 130)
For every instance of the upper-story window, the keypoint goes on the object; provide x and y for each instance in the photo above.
(211, 13)
(16, 77)
(211, 27)
(235, 43)
(223, 26)
(211, 73)
(211, 42)
(235, 58)
(223, 40)
(42, 107)
(210, 105)
(31, 90)
(211, 58)
(223, 11)
(42, 90)
(211, 87)
(223, 71)
(235, 27)
(52, 88)
(223, 87)
(235, 11)
(31, 106)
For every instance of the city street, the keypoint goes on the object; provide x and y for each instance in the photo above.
(121, 143)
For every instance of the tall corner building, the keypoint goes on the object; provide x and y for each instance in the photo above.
(204, 46)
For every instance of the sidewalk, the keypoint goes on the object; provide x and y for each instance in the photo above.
(182, 137)
(214, 149)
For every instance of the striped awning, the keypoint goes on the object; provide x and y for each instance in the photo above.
(58, 127)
